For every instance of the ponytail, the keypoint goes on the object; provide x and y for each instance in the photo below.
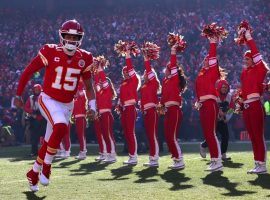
(114, 94)
(182, 78)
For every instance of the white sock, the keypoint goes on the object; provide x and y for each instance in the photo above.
(36, 167)
(48, 158)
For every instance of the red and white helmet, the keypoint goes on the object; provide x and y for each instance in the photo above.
(71, 27)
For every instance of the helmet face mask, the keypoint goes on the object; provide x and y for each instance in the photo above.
(71, 35)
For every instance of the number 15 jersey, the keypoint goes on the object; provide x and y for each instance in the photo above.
(62, 72)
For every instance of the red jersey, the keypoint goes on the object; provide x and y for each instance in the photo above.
(62, 72)
(207, 77)
(171, 90)
(128, 87)
(149, 89)
(79, 109)
(252, 77)
(104, 92)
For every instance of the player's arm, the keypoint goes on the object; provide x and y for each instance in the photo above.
(213, 52)
(35, 65)
(90, 94)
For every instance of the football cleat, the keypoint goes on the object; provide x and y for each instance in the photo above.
(44, 176)
(32, 180)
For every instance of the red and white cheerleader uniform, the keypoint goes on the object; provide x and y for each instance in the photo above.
(171, 99)
(207, 98)
(149, 101)
(252, 88)
(104, 96)
(128, 99)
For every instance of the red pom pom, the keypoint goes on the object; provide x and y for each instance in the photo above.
(150, 50)
(122, 47)
(213, 30)
(99, 61)
(241, 29)
(173, 39)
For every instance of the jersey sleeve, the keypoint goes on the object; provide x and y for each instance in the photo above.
(213, 55)
(86, 73)
(257, 59)
(45, 52)
(35, 65)
(148, 69)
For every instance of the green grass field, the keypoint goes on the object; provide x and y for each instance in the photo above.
(87, 179)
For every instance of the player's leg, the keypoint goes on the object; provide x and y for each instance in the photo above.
(257, 126)
(80, 125)
(208, 117)
(100, 140)
(107, 130)
(130, 119)
(150, 124)
(59, 114)
(222, 129)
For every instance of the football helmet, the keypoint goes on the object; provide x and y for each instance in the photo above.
(71, 27)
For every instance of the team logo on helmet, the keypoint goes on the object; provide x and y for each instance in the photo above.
(81, 63)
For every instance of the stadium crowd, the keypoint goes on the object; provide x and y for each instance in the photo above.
(23, 34)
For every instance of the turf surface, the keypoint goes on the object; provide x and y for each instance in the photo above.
(87, 179)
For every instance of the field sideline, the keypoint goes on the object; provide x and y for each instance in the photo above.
(87, 179)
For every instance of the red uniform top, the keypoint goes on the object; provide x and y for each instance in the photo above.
(128, 87)
(171, 90)
(207, 77)
(149, 89)
(104, 93)
(62, 72)
(79, 109)
(252, 77)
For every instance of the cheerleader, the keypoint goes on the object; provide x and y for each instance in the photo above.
(105, 93)
(149, 100)
(79, 116)
(226, 107)
(173, 85)
(100, 139)
(252, 77)
(128, 100)
(207, 103)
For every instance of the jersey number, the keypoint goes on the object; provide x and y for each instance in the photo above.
(69, 79)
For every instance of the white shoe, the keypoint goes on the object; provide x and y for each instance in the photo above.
(110, 158)
(225, 157)
(215, 165)
(101, 157)
(65, 154)
(34, 188)
(60, 153)
(43, 179)
(260, 168)
(178, 164)
(202, 151)
(152, 163)
(133, 160)
(81, 155)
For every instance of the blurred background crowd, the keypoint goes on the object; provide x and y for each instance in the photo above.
(27, 25)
